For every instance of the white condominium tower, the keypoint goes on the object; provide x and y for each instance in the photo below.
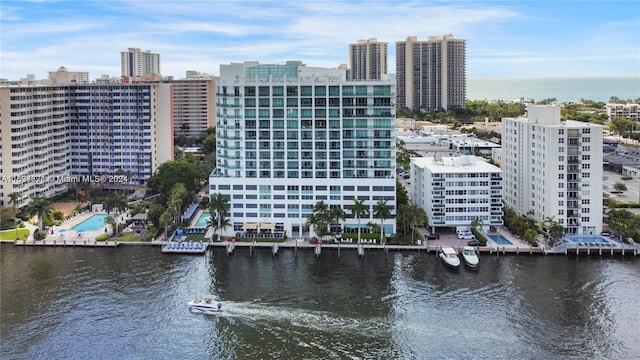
(135, 63)
(553, 169)
(456, 190)
(289, 136)
(368, 59)
(431, 74)
(50, 135)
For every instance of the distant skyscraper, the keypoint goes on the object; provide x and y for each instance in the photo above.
(62, 76)
(368, 59)
(547, 163)
(135, 63)
(431, 74)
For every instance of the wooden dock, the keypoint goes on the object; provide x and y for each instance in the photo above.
(68, 242)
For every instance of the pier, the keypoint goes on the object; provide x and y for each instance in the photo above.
(276, 247)
(68, 242)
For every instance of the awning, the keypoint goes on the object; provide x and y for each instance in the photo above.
(250, 226)
(267, 226)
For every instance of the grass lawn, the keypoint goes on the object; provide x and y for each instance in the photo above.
(11, 234)
(129, 237)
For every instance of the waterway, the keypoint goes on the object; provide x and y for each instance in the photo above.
(130, 303)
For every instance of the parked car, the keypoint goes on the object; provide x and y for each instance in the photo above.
(606, 233)
(466, 236)
(433, 237)
(473, 242)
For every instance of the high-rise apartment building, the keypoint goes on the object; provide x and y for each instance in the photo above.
(54, 137)
(137, 63)
(456, 190)
(553, 168)
(431, 74)
(289, 136)
(368, 59)
(194, 105)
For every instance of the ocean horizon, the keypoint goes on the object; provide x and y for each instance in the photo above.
(564, 89)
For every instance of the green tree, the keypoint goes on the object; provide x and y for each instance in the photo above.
(402, 196)
(111, 221)
(381, 211)
(337, 214)
(178, 197)
(217, 225)
(359, 210)
(116, 202)
(14, 199)
(165, 220)
(173, 172)
(41, 207)
(320, 218)
(218, 207)
(625, 222)
(556, 232)
(414, 215)
(620, 187)
(209, 144)
(477, 224)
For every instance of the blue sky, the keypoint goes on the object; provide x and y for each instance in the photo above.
(504, 38)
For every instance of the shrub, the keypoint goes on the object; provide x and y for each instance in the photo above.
(102, 237)
(39, 235)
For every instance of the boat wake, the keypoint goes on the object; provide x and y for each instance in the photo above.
(309, 319)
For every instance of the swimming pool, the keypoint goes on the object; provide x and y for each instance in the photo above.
(202, 219)
(91, 224)
(587, 239)
(500, 240)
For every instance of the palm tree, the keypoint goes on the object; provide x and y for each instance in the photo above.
(358, 210)
(41, 207)
(382, 211)
(165, 220)
(337, 214)
(415, 215)
(177, 198)
(110, 220)
(320, 218)
(217, 224)
(218, 205)
(477, 224)
(556, 232)
(14, 198)
(117, 203)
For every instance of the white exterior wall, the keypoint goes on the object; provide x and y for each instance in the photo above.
(349, 156)
(50, 133)
(553, 169)
(454, 191)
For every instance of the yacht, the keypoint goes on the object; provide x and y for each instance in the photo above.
(470, 257)
(449, 257)
(206, 304)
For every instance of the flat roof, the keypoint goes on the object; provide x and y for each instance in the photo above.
(455, 164)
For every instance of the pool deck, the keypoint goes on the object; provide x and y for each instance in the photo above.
(65, 235)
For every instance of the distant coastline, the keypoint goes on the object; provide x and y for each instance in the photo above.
(564, 89)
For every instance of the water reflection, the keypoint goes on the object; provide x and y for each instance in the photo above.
(130, 302)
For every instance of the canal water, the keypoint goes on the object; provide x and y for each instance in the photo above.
(130, 303)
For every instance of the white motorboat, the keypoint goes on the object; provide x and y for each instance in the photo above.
(470, 257)
(206, 304)
(449, 257)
